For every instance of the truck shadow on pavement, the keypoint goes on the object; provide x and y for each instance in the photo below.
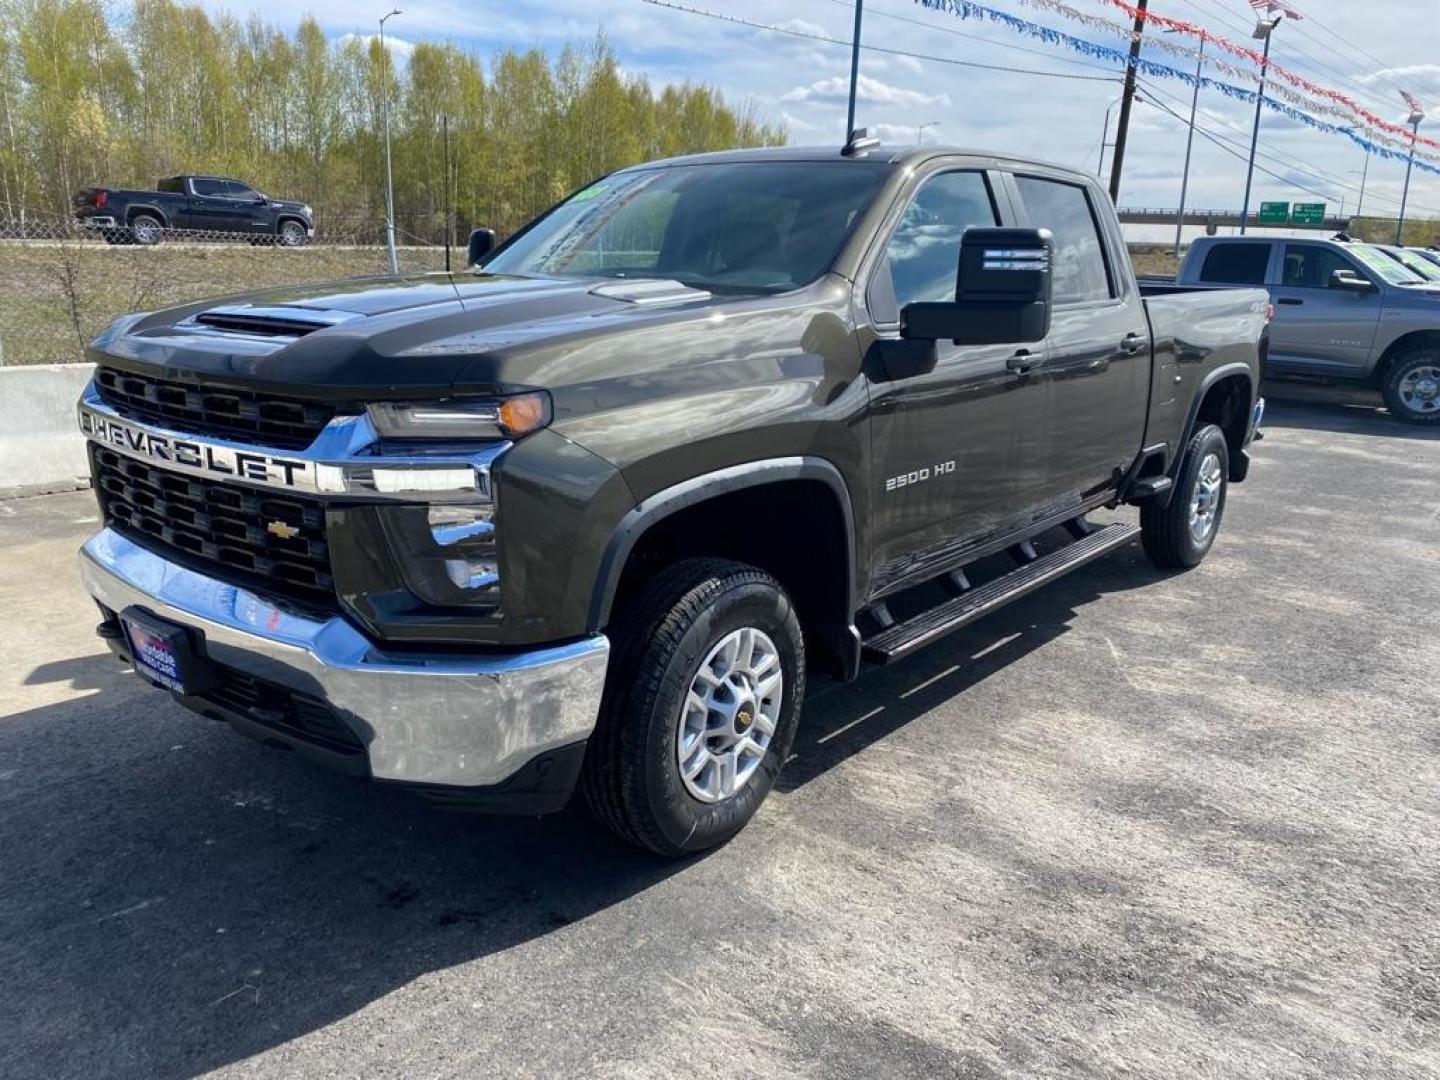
(176, 898)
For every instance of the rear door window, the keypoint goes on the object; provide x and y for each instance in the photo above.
(203, 185)
(1236, 264)
(1080, 271)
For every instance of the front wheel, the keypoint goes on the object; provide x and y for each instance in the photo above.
(292, 234)
(1180, 534)
(700, 707)
(1412, 387)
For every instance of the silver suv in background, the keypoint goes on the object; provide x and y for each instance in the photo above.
(1345, 312)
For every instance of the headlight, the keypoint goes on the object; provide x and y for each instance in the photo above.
(494, 418)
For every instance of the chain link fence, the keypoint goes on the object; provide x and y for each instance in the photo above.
(61, 284)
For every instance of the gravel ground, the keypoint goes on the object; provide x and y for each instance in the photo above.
(1136, 825)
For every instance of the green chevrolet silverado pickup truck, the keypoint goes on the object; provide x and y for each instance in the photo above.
(590, 513)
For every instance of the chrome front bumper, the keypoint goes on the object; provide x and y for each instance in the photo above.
(425, 718)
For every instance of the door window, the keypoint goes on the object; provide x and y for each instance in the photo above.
(205, 186)
(1309, 266)
(1080, 273)
(1236, 264)
(922, 259)
(236, 190)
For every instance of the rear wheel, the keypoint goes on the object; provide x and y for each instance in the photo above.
(701, 704)
(1412, 387)
(146, 229)
(1180, 534)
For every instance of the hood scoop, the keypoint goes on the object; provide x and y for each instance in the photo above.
(649, 291)
(282, 321)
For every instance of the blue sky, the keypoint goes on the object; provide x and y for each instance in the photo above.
(1366, 49)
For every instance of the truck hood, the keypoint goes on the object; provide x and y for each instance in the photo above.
(372, 338)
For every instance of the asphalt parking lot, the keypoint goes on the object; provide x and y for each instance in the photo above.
(1136, 825)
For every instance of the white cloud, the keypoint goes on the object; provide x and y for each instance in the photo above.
(869, 90)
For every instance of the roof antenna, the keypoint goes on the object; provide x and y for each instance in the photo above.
(861, 142)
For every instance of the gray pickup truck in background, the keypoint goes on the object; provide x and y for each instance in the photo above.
(1345, 312)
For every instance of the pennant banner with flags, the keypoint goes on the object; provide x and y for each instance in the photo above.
(965, 9)
(1247, 53)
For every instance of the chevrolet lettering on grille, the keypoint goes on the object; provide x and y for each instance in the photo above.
(197, 457)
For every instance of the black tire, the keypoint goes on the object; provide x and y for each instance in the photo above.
(146, 229)
(292, 234)
(631, 777)
(1412, 387)
(1166, 531)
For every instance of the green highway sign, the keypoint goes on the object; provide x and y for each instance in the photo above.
(1274, 213)
(1309, 214)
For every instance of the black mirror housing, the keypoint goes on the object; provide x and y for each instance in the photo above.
(1002, 292)
(482, 242)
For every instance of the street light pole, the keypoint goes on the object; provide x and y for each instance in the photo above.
(389, 177)
(854, 71)
(1189, 146)
(1265, 29)
(920, 130)
(1416, 116)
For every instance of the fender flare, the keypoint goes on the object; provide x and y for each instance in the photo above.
(698, 489)
(146, 208)
(1225, 371)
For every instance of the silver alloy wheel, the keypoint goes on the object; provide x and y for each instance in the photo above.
(292, 234)
(1205, 503)
(729, 715)
(146, 229)
(1420, 390)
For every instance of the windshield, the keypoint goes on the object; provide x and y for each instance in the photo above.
(1422, 266)
(1383, 265)
(743, 227)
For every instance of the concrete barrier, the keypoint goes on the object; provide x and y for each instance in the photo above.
(40, 446)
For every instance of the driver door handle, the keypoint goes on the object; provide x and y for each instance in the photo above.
(1132, 343)
(1022, 362)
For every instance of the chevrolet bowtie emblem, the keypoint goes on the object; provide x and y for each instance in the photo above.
(282, 530)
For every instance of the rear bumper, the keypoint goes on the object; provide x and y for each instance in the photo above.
(449, 723)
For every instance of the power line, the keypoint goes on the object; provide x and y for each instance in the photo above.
(971, 35)
(1225, 145)
(1323, 70)
(736, 20)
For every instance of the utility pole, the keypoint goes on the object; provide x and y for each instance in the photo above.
(854, 71)
(389, 178)
(1264, 28)
(1416, 115)
(1189, 146)
(1364, 176)
(1122, 136)
(920, 130)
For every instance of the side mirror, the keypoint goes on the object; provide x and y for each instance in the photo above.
(1348, 279)
(1002, 292)
(482, 242)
